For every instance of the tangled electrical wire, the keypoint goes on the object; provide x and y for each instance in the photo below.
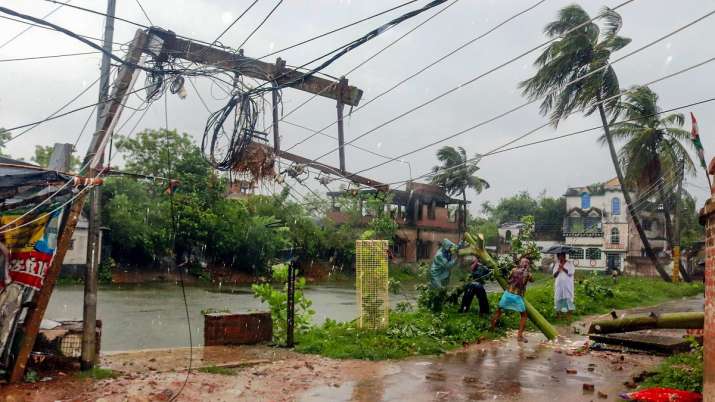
(243, 105)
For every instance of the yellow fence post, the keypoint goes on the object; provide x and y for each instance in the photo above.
(371, 283)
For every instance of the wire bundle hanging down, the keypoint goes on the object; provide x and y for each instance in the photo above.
(225, 154)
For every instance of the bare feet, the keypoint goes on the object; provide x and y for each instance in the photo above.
(521, 338)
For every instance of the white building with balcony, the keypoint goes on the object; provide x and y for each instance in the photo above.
(598, 227)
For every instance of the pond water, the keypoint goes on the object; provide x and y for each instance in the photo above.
(149, 316)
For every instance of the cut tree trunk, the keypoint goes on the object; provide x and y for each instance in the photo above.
(627, 196)
(689, 320)
(477, 248)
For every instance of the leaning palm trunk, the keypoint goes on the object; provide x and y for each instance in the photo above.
(626, 194)
(476, 247)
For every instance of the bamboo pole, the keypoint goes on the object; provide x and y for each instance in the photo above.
(477, 248)
(688, 320)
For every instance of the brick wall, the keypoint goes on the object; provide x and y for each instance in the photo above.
(707, 217)
(237, 329)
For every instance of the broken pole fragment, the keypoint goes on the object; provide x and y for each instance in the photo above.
(688, 320)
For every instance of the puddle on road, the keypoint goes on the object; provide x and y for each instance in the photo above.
(501, 370)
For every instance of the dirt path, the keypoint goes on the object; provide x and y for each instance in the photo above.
(499, 370)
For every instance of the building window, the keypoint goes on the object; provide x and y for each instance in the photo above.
(616, 206)
(576, 254)
(430, 211)
(593, 253)
(585, 200)
(615, 236)
(507, 237)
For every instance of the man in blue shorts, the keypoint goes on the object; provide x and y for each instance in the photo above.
(513, 299)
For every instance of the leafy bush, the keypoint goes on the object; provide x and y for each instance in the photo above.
(104, 275)
(277, 299)
(682, 371)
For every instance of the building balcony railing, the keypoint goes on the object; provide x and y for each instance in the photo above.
(583, 234)
(614, 246)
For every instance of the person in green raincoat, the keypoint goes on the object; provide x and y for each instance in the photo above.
(444, 260)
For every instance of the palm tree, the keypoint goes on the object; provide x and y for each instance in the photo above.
(654, 145)
(582, 54)
(456, 175)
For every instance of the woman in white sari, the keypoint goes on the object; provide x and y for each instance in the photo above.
(563, 286)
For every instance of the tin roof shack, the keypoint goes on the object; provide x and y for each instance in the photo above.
(424, 213)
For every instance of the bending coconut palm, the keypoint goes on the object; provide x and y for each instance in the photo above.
(653, 145)
(578, 53)
(456, 175)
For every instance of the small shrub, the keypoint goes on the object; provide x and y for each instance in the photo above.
(277, 299)
(682, 371)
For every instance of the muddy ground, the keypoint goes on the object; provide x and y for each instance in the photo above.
(497, 370)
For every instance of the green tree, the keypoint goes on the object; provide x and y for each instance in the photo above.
(5, 136)
(653, 147)
(583, 54)
(511, 209)
(456, 175)
(151, 152)
(691, 231)
(43, 154)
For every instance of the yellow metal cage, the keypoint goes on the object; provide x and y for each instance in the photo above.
(371, 283)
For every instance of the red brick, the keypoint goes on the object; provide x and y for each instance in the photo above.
(709, 329)
(237, 329)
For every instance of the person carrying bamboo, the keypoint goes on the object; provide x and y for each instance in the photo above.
(475, 287)
(444, 260)
(513, 299)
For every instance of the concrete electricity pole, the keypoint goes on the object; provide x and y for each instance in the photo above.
(89, 313)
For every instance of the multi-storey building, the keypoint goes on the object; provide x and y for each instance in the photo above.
(600, 230)
(424, 213)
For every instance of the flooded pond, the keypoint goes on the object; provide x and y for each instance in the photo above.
(152, 315)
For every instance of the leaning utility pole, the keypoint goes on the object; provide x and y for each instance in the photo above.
(89, 312)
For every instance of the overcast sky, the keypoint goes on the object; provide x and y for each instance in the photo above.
(31, 90)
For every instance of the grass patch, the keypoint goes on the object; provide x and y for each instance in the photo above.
(598, 294)
(97, 373)
(217, 370)
(682, 371)
(422, 332)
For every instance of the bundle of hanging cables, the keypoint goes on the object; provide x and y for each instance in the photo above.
(224, 149)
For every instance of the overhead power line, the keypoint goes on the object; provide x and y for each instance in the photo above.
(503, 114)
(353, 69)
(389, 45)
(30, 27)
(420, 71)
(70, 112)
(48, 28)
(54, 56)
(337, 29)
(261, 23)
(72, 35)
(55, 113)
(555, 138)
(468, 82)
(234, 21)
(144, 12)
